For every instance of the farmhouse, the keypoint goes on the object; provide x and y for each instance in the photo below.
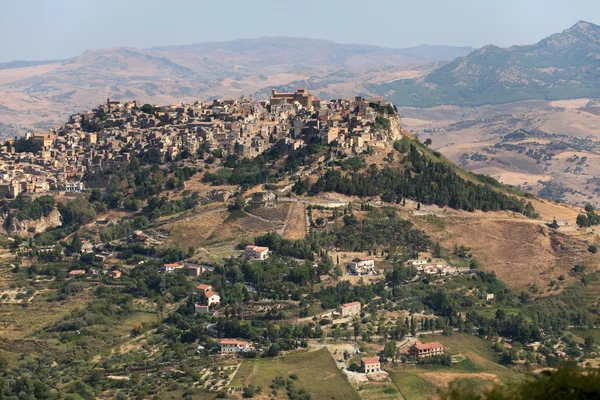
(229, 346)
(253, 252)
(362, 266)
(170, 268)
(369, 365)
(116, 274)
(422, 350)
(348, 309)
(76, 273)
(203, 288)
(212, 297)
(416, 263)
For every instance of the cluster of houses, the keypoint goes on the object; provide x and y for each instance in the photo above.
(418, 350)
(234, 346)
(81, 273)
(208, 297)
(103, 138)
(423, 266)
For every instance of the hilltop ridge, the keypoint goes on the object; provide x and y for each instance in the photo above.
(561, 66)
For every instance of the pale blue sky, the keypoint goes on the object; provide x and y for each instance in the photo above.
(50, 29)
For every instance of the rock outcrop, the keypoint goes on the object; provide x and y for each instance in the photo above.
(13, 226)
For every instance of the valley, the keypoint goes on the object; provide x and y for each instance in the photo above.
(548, 148)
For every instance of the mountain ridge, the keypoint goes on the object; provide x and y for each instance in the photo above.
(560, 66)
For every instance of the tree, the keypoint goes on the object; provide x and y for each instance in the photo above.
(568, 382)
(3, 362)
(239, 203)
(356, 330)
(76, 244)
(589, 343)
(593, 248)
(147, 108)
(427, 142)
(437, 250)
(390, 349)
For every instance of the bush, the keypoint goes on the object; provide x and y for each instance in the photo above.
(593, 248)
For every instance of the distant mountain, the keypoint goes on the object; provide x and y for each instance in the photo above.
(300, 53)
(37, 94)
(24, 64)
(561, 66)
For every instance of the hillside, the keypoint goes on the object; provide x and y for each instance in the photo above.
(562, 66)
(37, 94)
(112, 302)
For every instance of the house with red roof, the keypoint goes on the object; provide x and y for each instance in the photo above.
(77, 273)
(212, 297)
(349, 309)
(362, 266)
(203, 288)
(232, 346)
(170, 268)
(253, 252)
(369, 365)
(422, 350)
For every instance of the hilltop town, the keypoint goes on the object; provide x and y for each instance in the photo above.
(98, 140)
(225, 248)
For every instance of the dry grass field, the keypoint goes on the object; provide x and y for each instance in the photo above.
(17, 321)
(522, 252)
(317, 374)
(296, 224)
(457, 132)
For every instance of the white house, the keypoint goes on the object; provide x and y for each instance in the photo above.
(229, 346)
(416, 263)
(170, 268)
(348, 309)
(212, 297)
(253, 252)
(362, 266)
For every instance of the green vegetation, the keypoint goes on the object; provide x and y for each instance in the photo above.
(477, 79)
(412, 385)
(567, 382)
(30, 209)
(23, 145)
(316, 372)
(589, 218)
(424, 181)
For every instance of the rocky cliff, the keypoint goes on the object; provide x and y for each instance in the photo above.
(26, 227)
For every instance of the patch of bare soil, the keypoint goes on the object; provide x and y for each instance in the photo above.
(443, 379)
(522, 252)
(296, 223)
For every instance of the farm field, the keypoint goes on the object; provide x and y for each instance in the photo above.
(478, 370)
(316, 370)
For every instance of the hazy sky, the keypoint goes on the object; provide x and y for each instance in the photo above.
(50, 29)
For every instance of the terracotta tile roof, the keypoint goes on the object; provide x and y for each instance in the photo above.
(427, 346)
(354, 303)
(370, 360)
(235, 342)
(210, 293)
(203, 286)
(77, 272)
